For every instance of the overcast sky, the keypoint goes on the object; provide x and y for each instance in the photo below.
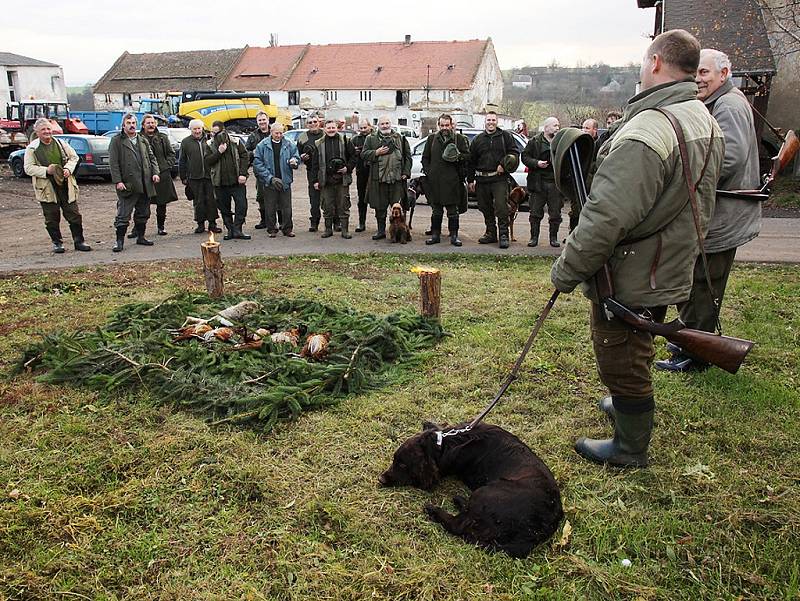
(86, 36)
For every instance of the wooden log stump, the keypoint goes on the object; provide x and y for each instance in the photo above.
(430, 291)
(213, 268)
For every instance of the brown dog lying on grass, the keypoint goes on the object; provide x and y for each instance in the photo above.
(515, 503)
(398, 229)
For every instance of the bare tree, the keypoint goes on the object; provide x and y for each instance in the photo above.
(782, 18)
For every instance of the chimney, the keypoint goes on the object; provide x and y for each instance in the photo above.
(407, 41)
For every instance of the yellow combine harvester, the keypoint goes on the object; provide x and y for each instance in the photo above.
(237, 110)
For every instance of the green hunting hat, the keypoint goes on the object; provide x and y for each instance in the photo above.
(565, 139)
(450, 153)
(510, 163)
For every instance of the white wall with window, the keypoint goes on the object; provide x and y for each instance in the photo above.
(24, 82)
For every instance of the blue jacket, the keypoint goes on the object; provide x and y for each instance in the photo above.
(264, 161)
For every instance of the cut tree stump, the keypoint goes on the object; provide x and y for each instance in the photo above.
(430, 291)
(213, 268)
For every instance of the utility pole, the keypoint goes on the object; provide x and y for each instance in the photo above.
(428, 91)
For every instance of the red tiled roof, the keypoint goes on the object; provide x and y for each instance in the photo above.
(264, 69)
(389, 66)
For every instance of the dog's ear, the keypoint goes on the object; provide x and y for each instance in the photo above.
(426, 425)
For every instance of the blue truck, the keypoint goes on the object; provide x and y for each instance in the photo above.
(99, 122)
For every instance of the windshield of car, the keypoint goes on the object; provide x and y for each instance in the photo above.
(99, 144)
(179, 134)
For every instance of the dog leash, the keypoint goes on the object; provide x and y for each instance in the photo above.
(440, 436)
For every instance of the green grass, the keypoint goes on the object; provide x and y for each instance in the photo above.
(786, 193)
(125, 498)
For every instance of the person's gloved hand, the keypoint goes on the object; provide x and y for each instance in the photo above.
(277, 183)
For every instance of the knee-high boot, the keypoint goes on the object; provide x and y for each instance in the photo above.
(452, 225)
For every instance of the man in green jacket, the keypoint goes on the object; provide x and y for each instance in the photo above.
(493, 157)
(229, 165)
(165, 157)
(306, 147)
(639, 221)
(362, 172)
(541, 182)
(196, 176)
(331, 174)
(51, 164)
(444, 162)
(134, 171)
(389, 158)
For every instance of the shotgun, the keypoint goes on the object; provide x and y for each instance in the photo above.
(786, 153)
(725, 352)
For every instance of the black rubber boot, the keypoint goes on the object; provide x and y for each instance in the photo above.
(140, 239)
(261, 225)
(452, 225)
(314, 227)
(489, 237)
(212, 227)
(328, 229)
(362, 218)
(535, 225)
(436, 230)
(160, 221)
(120, 243)
(345, 222)
(504, 241)
(132, 233)
(629, 446)
(239, 234)
(77, 238)
(337, 224)
(554, 234)
(200, 227)
(55, 237)
(381, 233)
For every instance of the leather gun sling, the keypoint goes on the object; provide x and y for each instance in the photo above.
(692, 187)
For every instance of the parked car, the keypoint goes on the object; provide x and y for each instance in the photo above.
(92, 154)
(520, 175)
(175, 135)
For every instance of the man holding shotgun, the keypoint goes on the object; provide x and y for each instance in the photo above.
(736, 221)
(638, 226)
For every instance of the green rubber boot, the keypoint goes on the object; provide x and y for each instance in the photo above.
(629, 446)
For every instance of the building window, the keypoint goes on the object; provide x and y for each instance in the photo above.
(402, 121)
(108, 98)
(447, 95)
(126, 99)
(10, 75)
(365, 95)
(294, 98)
(12, 96)
(331, 96)
(401, 97)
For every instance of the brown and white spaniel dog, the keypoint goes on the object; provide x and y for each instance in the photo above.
(398, 229)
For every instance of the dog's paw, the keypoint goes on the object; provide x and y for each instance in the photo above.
(460, 502)
(433, 511)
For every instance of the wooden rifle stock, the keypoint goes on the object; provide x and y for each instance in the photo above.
(725, 352)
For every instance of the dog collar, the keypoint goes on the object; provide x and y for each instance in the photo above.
(440, 436)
